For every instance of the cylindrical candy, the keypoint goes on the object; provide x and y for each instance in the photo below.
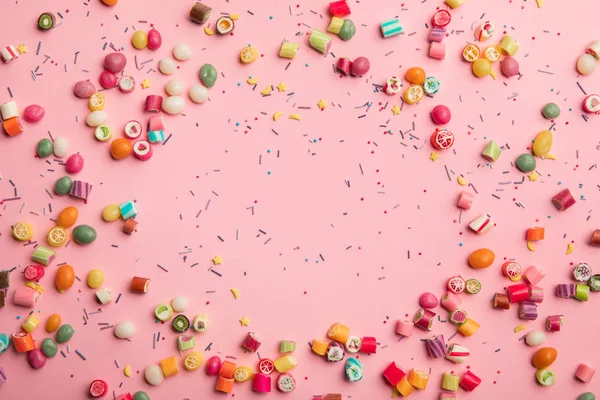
(338, 332)
(251, 342)
(403, 387)
(585, 373)
(339, 8)
(25, 297)
(508, 45)
(458, 316)
(335, 352)
(224, 385)
(43, 255)
(9, 53)
(153, 103)
(98, 388)
(319, 41)
(437, 34)
(34, 272)
(287, 346)
(465, 200)
(457, 353)
(436, 347)
(104, 296)
(9, 110)
(441, 18)
(468, 328)
(285, 363)
(582, 292)
(536, 294)
(424, 319)
(286, 382)
(545, 377)
(343, 66)
(142, 150)
(30, 323)
(320, 347)
(22, 341)
(12, 126)
(288, 50)
(437, 50)
(528, 311)
(594, 49)
(200, 12)
(518, 293)
(485, 31)
(469, 381)
(450, 382)
(563, 200)
(391, 28)
(200, 323)
(481, 224)
(491, 152)
(565, 290)
(431, 85)
(133, 129)
(554, 322)
(393, 374)
(46, 21)
(261, 383)
(594, 283)
(418, 379)
(126, 84)
(140, 285)
(591, 104)
(335, 25)
(501, 301)
(369, 345)
(582, 272)
(169, 366)
(533, 275)
(450, 301)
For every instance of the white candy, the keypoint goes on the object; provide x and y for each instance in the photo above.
(61, 147)
(96, 118)
(586, 64)
(175, 87)
(104, 296)
(179, 304)
(154, 375)
(535, 338)
(167, 66)
(198, 93)
(182, 52)
(124, 330)
(173, 105)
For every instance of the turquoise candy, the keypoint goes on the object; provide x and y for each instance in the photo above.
(141, 396)
(587, 396)
(208, 75)
(49, 347)
(550, 111)
(64, 333)
(526, 162)
(348, 30)
(354, 371)
(44, 148)
(63, 185)
(4, 342)
(84, 234)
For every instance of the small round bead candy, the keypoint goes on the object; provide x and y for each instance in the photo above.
(173, 105)
(182, 52)
(441, 114)
(167, 66)
(550, 111)
(175, 87)
(586, 64)
(124, 330)
(510, 67)
(74, 164)
(139, 40)
(198, 93)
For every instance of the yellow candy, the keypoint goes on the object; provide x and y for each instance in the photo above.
(139, 40)
(542, 143)
(413, 94)
(35, 286)
(22, 231)
(248, 55)
(234, 17)
(295, 116)
(508, 45)
(482, 67)
(127, 371)
(208, 31)
(277, 115)
(30, 323)
(111, 213)
(288, 50)
(95, 278)
(243, 374)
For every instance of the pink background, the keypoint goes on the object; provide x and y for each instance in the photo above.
(304, 205)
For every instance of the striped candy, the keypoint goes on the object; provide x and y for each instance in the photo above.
(391, 28)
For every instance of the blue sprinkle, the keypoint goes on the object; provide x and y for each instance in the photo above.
(268, 150)
(237, 124)
(307, 64)
(582, 196)
(580, 185)
(460, 244)
(314, 140)
(549, 216)
(18, 317)
(239, 83)
(552, 90)
(306, 259)
(560, 182)
(570, 109)
(271, 17)
(485, 137)
(317, 261)
(269, 172)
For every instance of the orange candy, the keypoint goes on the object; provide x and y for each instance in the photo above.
(544, 357)
(415, 75)
(67, 217)
(120, 148)
(65, 276)
(53, 322)
(110, 3)
(481, 258)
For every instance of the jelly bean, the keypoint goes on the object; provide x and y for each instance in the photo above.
(542, 143)
(154, 39)
(67, 217)
(139, 40)
(33, 113)
(124, 330)
(120, 148)
(53, 322)
(61, 147)
(64, 334)
(111, 213)
(141, 396)
(115, 62)
(74, 164)
(44, 148)
(108, 80)
(49, 347)
(36, 358)
(167, 66)
(96, 118)
(182, 52)
(175, 87)
(587, 396)
(198, 93)
(208, 75)
(544, 357)
(173, 105)
(551, 111)
(63, 185)
(84, 234)
(154, 375)
(213, 365)
(510, 67)
(95, 278)
(84, 89)
(65, 277)
(526, 162)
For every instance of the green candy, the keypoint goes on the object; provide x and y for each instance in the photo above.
(64, 333)
(208, 75)
(550, 111)
(526, 162)
(84, 234)
(141, 396)
(492, 151)
(587, 396)
(348, 30)
(44, 148)
(49, 347)
(63, 185)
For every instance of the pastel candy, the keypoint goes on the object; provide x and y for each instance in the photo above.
(491, 152)
(80, 189)
(156, 136)
(84, 234)
(44, 148)
(49, 347)
(348, 30)
(64, 334)
(354, 371)
(391, 28)
(111, 213)
(128, 210)
(208, 75)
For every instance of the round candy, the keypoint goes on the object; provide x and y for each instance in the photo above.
(108, 79)
(587, 396)
(360, 66)
(208, 75)
(111, 213)
(84, 89)
(44, 148)
(33, 113)
(173, 105)
(120, 148)
(124, 330)
(431, 85)
(84, 234)
(542, 143)
(36, 358)
(550, 111)
(198, 93)
(64, 334)
(139, 40)
(96, 118)
(57, 236)
(428, 300)
(49, 347)
(481, 258)
(61, 147)
(535, 338)
(63, 185)
(248, 55)
(510, 66)
(526, 162)
(482, 67)
(74, 164)
(110, 3)
(154, 39)
(175, 87)
(442, 139)
(213, 365)
(182, 52)
(167, 66)
(141, 396)
(67, 217)
(154, 375)
(179, 304)
(65, 276)
(98, 388)
(115, 62)
(545, 377)
(586, 64)
(415, 75)
(53, 323)
(544, 357)
(95, 278)
(348, 30)
(103, 133)
(441, 114)
(441, 18)
(126, 84)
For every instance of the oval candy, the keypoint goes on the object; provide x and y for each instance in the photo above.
(587, 396)
(96, 118)
(67, 217)
(60, 147)
(44, 148)
(49, 347)
(208, 75)
(62, 186)
(551, 111)
(139, 40)
(167, 66)
(65, 277)
(53, 323)
(64, 334)
(173, 105)
(124, 330)
(141, 396)
(542, 143)
(544, 357)
(95, 278)
(213, 365)
(526, 162)
(535, 338)
(182, 52)
(111, 213)
(154, 375)
(33, 113)
(154, 39)
(74, 164)
(198, 93)
(84, 234)
(84, 89)
(115, 62)
(36, 358)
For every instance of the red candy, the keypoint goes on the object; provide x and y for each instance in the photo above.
(108, 79)
(563, 200)
(339, 8)
(153, 103)
(74, 164)
(343, 66)
(36, 358)
(369, 345)
(442, 139)
(34, 272)
(393, 374)
(360, 66)
(98, 388)
(469, 381)
(441, 18)
(518, 293)
(154, 39)
(33, 113)
(428, 300)
(441, 114)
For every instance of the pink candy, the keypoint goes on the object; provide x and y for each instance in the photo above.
(36, 358)
(84, 89)
(450, 301)
(585, 373)
(533, 275)
(115, 62)
(360, 66)
(154, 39)
(74, 164)
(441, 114)
(108, 79)
(428, 300)
(405, 328)
(33, 113)
(465, 200)
(437, 50)
(213, 365)
(510, 67)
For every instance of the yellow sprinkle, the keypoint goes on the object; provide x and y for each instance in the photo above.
(235, 292)
(530, 245)
(252, 81)
(266, 90)
(396, 110)
(520, 328)
(462, 181)
(282, 87)
(208, 31)
(533, 176)
(277, 115)
(217, 260)
(234, 17)
(245, 321)
(295, 116)
(539, 3)
(127, 371)
(570, 248)
(550, 157)
(434, 156)
(322, 104)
